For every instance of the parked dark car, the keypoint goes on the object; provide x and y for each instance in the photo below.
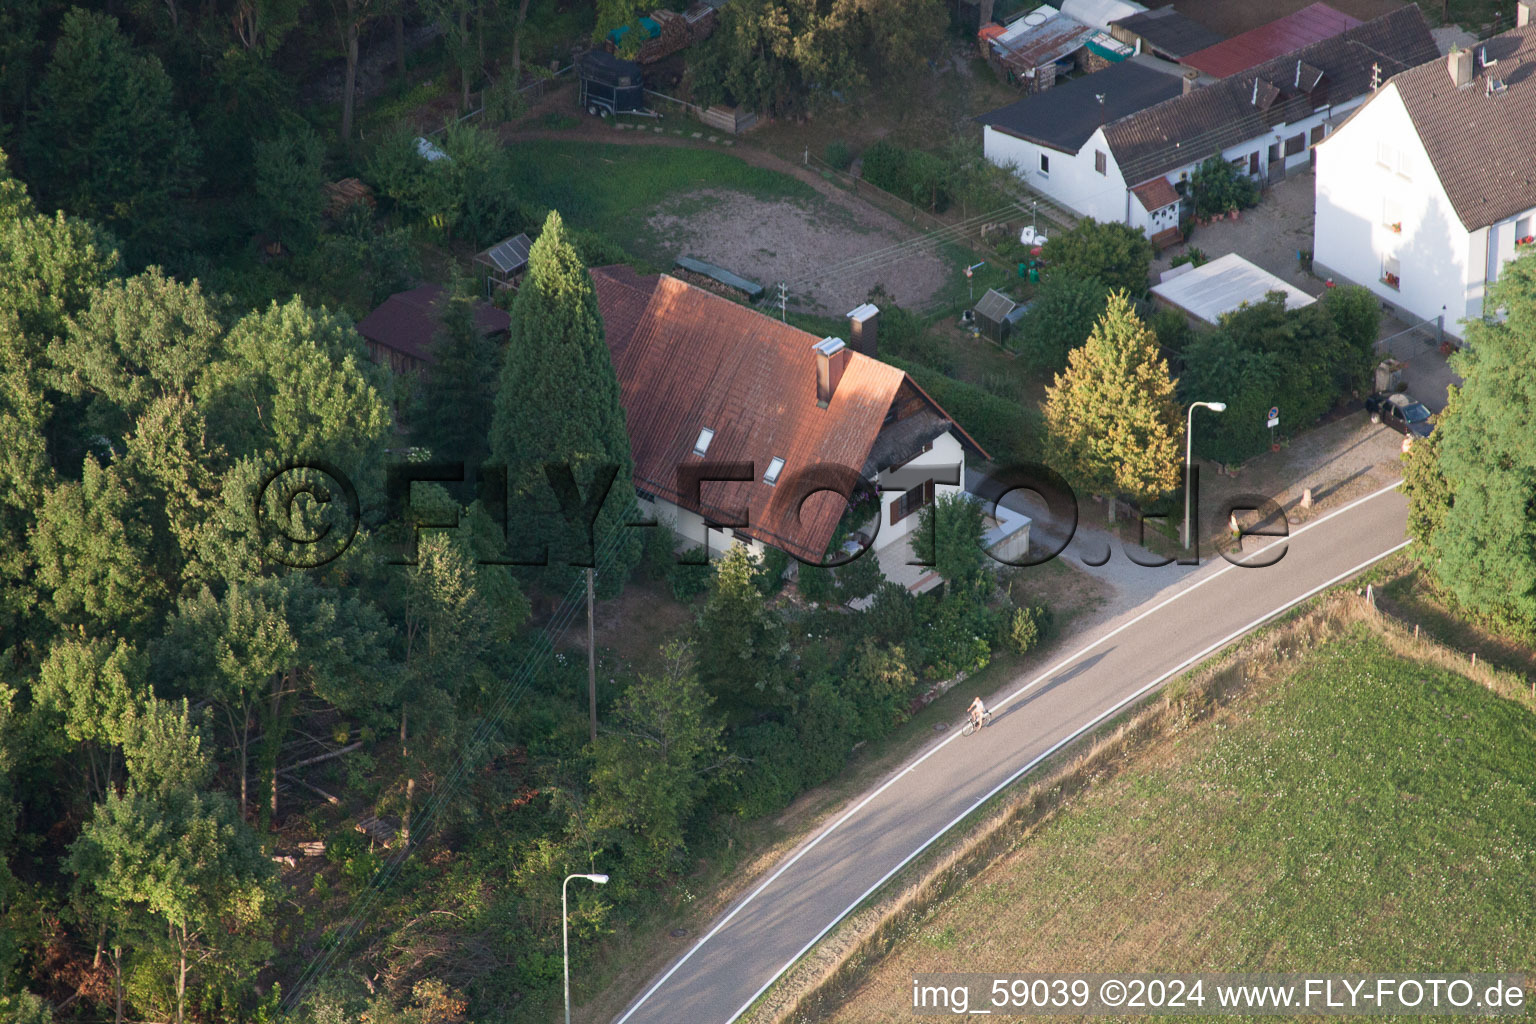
(1401, 413)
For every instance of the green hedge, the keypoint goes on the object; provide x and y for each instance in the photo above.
(1007, 431)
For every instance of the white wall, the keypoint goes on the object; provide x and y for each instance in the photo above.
(942, 460)
(689, 526)
(1075, 184)
(1072, 180)
(1439, 264)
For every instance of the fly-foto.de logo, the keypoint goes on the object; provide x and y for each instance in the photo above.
(308, 512)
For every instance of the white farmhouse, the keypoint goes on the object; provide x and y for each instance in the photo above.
(1427, 190)
(1121, 145)
(748, 430)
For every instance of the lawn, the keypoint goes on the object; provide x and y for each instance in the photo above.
(1367, 813)
(614, 189)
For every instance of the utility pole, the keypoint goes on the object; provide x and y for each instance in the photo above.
(591, 660)
(783, 300)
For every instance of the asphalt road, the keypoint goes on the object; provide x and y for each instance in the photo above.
(807, 893)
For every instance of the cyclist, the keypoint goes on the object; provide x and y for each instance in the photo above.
(977, 711)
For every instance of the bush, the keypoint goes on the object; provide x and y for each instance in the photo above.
(1219, 187)
(815, 583)
(690, 575)
(1116, 254)
(892, 617)
(771, 580)
(774, 771)
(956, 637)
(859, 578)
(1192, 256)
(838, 154)
(1025, 628)
(1172, 329)
(915, 175)
(1060, 319)
(1357, 316)
(657, 553)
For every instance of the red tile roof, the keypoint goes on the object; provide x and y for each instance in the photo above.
(1155, 194)
(408, 321)
(693, 359)
(1284, 35)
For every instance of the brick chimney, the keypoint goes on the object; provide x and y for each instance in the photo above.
(864, 329)
(1460, 64)
(831, 360)
(1191, 81)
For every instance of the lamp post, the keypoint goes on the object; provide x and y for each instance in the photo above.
(565, 934)
(1189, 428)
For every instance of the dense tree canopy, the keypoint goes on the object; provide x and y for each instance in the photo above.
(1476, 516)
(103, 139)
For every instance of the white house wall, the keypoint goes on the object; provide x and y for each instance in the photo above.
(943, 461)
(1075, 184)
(1072, 181)
(1440, 266)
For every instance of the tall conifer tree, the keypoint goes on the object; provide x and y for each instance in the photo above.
(559, 405)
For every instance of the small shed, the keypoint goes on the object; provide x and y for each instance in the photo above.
(402, 332)
(729, 119)
(503, 263)
(608, 84)
(1222, 286)
(751, 289)
(992, 314)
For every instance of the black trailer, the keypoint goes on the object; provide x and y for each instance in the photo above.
(610, 85)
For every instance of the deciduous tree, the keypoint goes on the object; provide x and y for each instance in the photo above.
(1486, 540)
(948, 537)
(646, 780)
(1111, 418)
(1118, 255)
(742, 647)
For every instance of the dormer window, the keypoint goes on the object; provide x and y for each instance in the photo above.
(702, 444)
(774, 469)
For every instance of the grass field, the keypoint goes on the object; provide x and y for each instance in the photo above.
(1368, 813)
(614, 189)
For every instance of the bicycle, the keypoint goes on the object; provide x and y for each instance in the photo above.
(971, 726)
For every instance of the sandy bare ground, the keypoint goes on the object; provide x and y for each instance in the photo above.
(832, 250)
(831, 253)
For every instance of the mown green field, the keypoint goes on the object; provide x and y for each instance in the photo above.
(614, 189)
(1367, 814)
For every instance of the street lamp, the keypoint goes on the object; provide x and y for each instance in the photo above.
(565, 934)
(1189, 428)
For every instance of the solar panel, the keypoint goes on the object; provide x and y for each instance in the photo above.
(511, 254)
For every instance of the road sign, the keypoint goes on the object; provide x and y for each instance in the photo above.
(967, 271)
(1274, 412)
(1274, 422)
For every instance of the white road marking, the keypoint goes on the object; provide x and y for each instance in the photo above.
(955, 736)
